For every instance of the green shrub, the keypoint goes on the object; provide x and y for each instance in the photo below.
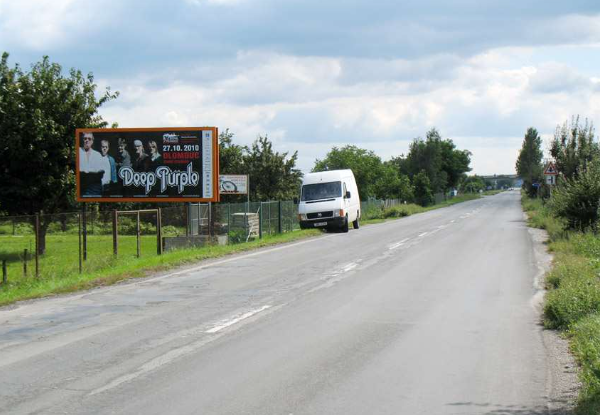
(237, 236)
(396, 212)
(577, 296)
(577, 200)
(171, 230)
(586, 347)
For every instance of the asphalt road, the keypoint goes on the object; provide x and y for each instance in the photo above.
(432, 314)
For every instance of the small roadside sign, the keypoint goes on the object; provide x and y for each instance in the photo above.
(550, 170)
(233, 184)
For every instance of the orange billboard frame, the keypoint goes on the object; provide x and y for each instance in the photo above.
(213, 182)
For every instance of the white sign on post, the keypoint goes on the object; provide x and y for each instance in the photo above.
(550, 173)
(233, 184)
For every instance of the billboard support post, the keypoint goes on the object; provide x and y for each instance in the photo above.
(84, 220)
(37, 245)
(79, 245)
(158, 232)
(137, 233)
(115, 219)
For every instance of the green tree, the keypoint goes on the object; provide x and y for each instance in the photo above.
(472, 184)
(422, 186)
(529, 164)
(393, 185)
(231, 156)
(365, 164)
(443, 163)
(573, 147)
(39, 112)
(273, 176)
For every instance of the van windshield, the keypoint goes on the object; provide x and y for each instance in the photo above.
(319, 191)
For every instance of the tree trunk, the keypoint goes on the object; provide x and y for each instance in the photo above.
(63, 222)
(45, 221)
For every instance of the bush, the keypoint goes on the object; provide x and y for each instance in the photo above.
(577, 296)
(396, 212)
(577, 200)
(171, 230)
(237, 236)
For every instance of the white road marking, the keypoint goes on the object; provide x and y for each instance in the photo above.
(423, 234)
(335, 276)
(397, 244)
(174, 354)
(237, 319)
(349, 267)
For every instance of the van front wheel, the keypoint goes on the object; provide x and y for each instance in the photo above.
(345, 225)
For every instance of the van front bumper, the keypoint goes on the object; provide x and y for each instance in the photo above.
(323, 223)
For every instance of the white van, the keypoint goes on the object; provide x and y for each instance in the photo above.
(329, 199)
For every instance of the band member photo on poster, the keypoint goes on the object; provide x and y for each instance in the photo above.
(157, 164)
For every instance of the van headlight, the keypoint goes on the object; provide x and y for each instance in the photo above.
(339, 213)
(301, 216)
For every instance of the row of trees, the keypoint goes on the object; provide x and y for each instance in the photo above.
(576, 155)
(432, 165)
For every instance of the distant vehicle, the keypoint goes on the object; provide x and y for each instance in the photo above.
(329, 199)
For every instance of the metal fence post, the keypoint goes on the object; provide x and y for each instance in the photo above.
(25, 262)
(115, 230)
(138, 233)
(260, 219)
(37, 246)
(228, 222)
(4, 272)
(79, 246)
(188, 223)
(84, 226)
(159, 249)
(270, 218)
(280, 224)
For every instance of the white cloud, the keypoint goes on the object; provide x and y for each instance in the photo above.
(45, 25)
(485, 103)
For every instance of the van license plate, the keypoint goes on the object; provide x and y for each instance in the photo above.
(320, 224)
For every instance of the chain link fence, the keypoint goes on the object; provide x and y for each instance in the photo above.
(86, 241)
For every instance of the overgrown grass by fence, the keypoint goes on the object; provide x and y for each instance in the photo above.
(572, 303)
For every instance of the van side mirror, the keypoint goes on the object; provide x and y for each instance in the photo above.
(347, 194)
(295, 201)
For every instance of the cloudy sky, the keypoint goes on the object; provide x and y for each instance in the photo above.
(316, 74)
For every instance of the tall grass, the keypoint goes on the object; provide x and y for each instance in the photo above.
(572, 303)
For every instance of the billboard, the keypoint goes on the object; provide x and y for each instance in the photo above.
(147, 164)
(233, 184)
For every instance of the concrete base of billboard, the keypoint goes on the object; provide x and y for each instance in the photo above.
(181, 242)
